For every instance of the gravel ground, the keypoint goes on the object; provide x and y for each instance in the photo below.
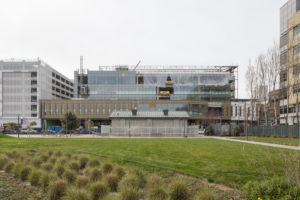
(14, 189)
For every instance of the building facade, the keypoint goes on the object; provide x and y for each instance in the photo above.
(205, 93)
(23, 83)
(287, 11)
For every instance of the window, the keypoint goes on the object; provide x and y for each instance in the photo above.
(51, 107)
(297, 50)
(126, 107)
(74, 108)
(56, 111)
(45, 109)
(108, 108)
(69, 107)
(34, 108)
(63, 108)
(92, 108)
(297, 31)
(33, 115)
(103, 109)
(79, 108)
(296, 69)
(86, 109)
(33, 98)
(98, 108)
(33, 90)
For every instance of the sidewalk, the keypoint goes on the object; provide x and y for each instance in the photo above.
(259, 143)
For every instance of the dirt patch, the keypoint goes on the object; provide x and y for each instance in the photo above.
(12, 188)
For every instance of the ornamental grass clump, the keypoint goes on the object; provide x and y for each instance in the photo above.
(140, 177)
(129, 194)
(3, 161)
(94, 163)
(9, 166)
(120, 172)
(44, 157)
(58, 154)
(47, 167)
(60, 171)
(112, 182)
(83, 162)
(157, 193)
(24, 173)
(45, 180)
(107, 168)
(52, 160)
(36, 162)
(70, 176)
(82, 181)
(95, 175)
(179, 191)
(129, 182)
(76, 194)
(155, 180)
(98, 191)
(74, 166)
(34, 177)
(207, 193)
(62, 161)
(57, 190)
(17, 169)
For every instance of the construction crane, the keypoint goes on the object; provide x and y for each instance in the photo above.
(137, 65)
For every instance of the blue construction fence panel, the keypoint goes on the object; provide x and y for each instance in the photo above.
(280, 131)
(55, 128)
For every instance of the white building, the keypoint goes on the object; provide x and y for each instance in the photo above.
(23, 83)
(238, 111)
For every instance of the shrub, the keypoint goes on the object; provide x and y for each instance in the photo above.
(52, 160)
(207, 194)
(75, 157)
(179, 191)
(94, 163)
(3, 161)
(112, 181)
(47, 167)
(8, 167)
(82, 162)
(107, 168)
(209, 131)
(34, 177)
(24, 173)
(157, 193)
(98, 190)
(75, 194)
(275, 188)
(95, 175)
(60, 171)
(120, 172)
(70, 176)
(37, 162)
(82, 181)
(57, 190)
(129, 194)
(74, 166)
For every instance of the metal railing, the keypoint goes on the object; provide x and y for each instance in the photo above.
(191, 131)
(280, 130)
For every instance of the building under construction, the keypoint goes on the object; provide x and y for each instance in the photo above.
(205, 93)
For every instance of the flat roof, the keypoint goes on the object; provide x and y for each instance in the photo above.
(149, 115)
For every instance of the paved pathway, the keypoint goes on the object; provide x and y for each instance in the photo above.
(259, 143)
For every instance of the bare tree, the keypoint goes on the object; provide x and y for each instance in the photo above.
(262, 71)
(251, 77)
(273, 69)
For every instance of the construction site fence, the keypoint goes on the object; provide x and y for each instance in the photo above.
(280, 131)
(190, 131)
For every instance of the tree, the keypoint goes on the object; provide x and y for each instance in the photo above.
(273, 65)
(251, 77)
(70, 121)
(12, 126)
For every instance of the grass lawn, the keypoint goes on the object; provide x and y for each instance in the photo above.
(225, 162)
(273, 140)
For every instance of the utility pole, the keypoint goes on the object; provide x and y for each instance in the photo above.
(18, 125)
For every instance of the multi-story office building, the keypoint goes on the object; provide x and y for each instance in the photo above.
(204, 92)
(287, 12)
(23, 83)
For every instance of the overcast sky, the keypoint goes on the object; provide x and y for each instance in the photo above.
(158, 32)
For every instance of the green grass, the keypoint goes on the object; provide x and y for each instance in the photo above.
(230, 163)
(273, 140)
